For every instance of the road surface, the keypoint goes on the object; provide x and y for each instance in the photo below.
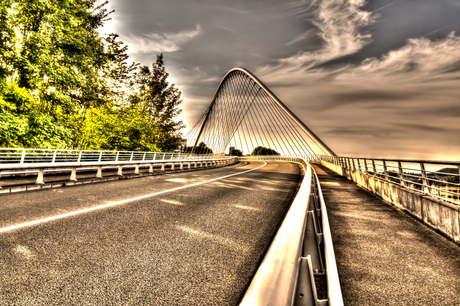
(190, 238)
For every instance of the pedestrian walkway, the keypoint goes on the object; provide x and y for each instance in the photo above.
(384, 256)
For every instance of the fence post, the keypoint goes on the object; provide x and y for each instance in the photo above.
(385, 174)
(118, 154)
(425, 184)
(401, 174)
(23, 156)
(365, 166)
(131, 158)
(79, 156)
(54, 157)
(100, 156)
(374, 168)
(143, 157)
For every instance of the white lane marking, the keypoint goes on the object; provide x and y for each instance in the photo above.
(82, 211)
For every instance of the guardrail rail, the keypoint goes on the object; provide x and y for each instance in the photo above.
(439, 179)
(301, 254)
(38, 161)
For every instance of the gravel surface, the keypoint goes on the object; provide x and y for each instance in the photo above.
(384, 256)
(195, 246)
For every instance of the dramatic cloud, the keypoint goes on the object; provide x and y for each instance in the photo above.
(342, 27)
(161, 42)
(371, 78)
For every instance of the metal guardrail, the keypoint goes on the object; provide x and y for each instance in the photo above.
(32, 156)
(300, 253)
(22, 161)
(439, 179)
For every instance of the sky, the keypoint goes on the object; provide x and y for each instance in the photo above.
(378, 78)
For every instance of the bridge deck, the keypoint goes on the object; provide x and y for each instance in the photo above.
(385, 257)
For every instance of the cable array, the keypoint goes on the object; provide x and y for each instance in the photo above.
(244, 115)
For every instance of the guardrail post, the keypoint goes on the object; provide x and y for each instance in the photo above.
(120, 170)
(100, 157)
(136, 169)
(73, 174)
(164, 154)
(41, 173)
(150, 168)
(172, 166)
(155, 156)
(374, 168)
(385, 174)
(99, 172)
(181, 166)
(162, 167)
(131, 158)
(143, 157)
(23, 156)
(79, 156)
(401, 174)
(425, 185)
(54, 156)
(196, 165)
(359, 165)
(365, 166)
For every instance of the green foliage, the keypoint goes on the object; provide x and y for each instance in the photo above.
(63, 85)
(264, 151)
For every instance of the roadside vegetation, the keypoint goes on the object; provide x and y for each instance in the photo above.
(64, 85)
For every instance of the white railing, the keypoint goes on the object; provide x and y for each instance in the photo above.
(301, 251)
(32, 156)
(439, 179)
(15, 162)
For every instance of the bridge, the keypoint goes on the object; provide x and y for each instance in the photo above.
(301, 226)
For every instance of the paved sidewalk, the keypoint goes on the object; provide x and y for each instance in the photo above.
(384, 256)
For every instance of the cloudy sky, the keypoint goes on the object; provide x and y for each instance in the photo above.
(377, 78)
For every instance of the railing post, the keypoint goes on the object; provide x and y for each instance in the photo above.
(79, 156)
(155, 156)
(143, 157)
(23, 156)
(374, 168)
(425, 185)
(100, 157)
(385, 174)
(54, 157)
(401, 174)
(359, 165)
(131, 158)
(118, 154)
(365, 166)
(354, 164)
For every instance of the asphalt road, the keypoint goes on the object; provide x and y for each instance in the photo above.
(145, 241)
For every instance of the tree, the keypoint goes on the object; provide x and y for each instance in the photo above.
(264, 151)
(160, 102)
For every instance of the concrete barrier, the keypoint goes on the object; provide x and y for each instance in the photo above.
(442, 216)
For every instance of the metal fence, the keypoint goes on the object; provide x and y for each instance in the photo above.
(301, 253)
(33, 156)
(440, 179)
